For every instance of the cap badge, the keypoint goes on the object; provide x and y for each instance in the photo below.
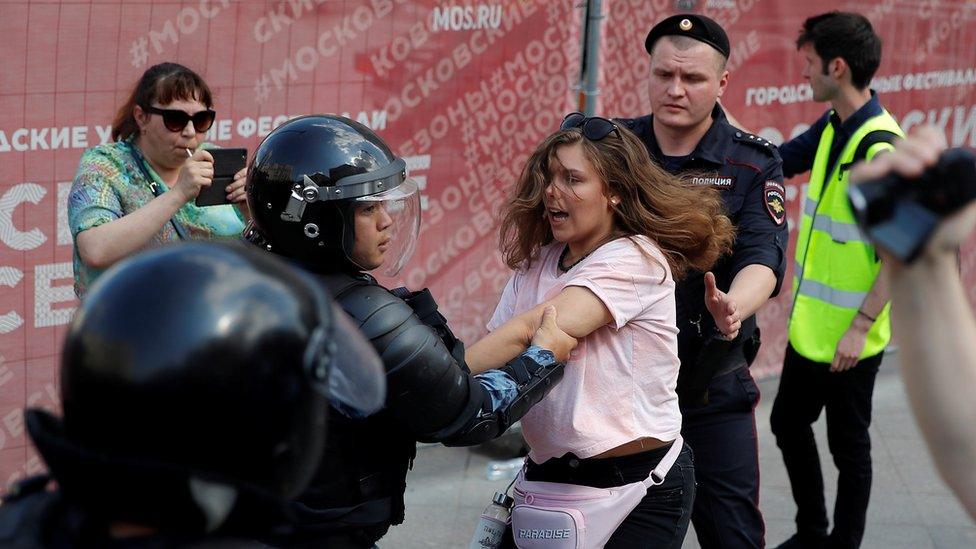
(685, 24)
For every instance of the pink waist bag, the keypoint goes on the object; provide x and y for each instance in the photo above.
(553, 515)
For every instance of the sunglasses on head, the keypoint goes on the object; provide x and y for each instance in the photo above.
(594, 128)
(175, 120)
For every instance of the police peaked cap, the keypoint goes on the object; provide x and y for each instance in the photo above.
(699, 27)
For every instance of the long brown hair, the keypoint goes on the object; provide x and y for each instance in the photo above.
(687, 222)
(164, 83)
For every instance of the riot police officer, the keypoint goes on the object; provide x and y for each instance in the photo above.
(195, 381)
(328, 193)
(688, 133)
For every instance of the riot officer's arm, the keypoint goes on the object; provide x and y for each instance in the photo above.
(579, 310)
(510, 391)
(440, 403)
(524, 381)
(426, 388)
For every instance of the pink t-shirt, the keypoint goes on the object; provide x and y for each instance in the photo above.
(620, 380)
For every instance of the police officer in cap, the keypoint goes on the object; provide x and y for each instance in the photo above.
(328, 193)
(688, 133)
(195, 382)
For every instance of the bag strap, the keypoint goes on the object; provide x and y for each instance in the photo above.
(656, 477)
(661, 471)
(425, 307)
(869, 140)
(141, 162)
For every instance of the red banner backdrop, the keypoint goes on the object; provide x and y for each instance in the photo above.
(463, 89)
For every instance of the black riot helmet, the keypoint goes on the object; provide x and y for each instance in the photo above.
(305, 181)
(194, 373)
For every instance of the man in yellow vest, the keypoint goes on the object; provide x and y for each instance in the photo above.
(839, 325)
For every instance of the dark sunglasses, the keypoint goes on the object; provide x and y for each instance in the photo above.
(175, 120)
(594, 128)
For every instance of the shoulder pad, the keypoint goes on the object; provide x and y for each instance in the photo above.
(376, 310)
(340, 283)
(741, 136)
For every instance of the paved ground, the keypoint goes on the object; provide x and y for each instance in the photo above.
(910, 505)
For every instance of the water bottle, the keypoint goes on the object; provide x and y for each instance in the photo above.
(494, 520)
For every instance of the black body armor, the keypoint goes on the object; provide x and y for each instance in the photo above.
(431, 397)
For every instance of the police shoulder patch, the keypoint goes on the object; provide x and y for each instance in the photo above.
(775, 197)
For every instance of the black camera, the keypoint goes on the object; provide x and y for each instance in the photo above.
(899, 215)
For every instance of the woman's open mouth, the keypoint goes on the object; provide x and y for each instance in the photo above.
(557, 216)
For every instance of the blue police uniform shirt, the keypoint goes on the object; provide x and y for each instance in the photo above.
(798, 153)
(748, 171)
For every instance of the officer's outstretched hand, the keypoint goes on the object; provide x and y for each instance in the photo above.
(722, 308)
(550, 336)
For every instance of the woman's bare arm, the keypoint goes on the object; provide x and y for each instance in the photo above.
(579, 312)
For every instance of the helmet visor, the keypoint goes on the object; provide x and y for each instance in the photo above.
(402, 205)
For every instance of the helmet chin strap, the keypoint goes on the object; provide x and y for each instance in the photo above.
(357, 265)
(348, 214)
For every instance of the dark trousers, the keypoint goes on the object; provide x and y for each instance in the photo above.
(723, 436)
(660, 520)
(805, 388)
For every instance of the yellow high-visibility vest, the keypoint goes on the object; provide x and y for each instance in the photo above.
(835, 264)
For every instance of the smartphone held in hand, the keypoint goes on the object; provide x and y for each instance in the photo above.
(227, 162)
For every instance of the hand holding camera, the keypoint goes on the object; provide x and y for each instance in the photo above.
(918, 197)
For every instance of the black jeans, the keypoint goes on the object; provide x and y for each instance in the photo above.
(660, 520)
(723, 436)
(805, 388)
